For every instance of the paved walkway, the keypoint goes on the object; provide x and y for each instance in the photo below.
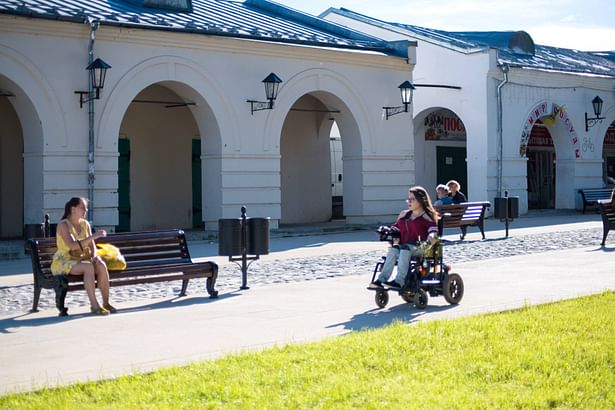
(155, 332)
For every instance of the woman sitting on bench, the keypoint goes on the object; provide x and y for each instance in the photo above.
(418, 222)
(76, 254)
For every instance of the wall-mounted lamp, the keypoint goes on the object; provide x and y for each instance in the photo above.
(590, 122)
(98, 72)
(272, 83)
(406, 89)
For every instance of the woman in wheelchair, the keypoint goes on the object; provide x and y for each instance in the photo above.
(418, 223)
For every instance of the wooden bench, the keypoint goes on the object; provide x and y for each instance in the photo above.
(151, 256)
(463, 215)
(607, 211)
(591, 196)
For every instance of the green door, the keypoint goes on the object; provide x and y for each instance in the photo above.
(123, 185)
(197, 205)
(452, 165)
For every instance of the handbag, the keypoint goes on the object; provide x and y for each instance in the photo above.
(111, 255)
(83, 254)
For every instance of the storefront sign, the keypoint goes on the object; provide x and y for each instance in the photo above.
(545, 109)
(444, 125)
(540, 137)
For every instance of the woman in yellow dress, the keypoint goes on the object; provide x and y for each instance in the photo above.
(74, 237)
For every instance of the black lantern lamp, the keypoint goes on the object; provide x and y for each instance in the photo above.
(272, 84)
(98, 71)
(406, 88)
(597, 105)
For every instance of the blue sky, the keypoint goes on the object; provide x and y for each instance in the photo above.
(587, 25)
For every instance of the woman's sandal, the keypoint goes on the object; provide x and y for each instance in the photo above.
(99, 311)
(109, 308)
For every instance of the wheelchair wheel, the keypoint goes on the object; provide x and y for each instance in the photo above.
(382, 298)
(421, 299)
(407, 296)
(453, 288)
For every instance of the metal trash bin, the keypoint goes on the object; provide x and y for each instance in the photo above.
(229, 237)
(258, 236)
(506, 207)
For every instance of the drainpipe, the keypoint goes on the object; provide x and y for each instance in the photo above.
(504, 68)
(93, 27)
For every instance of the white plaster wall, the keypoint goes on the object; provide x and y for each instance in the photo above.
(241, 152)
(436, 64)
(528, 90)
(376, 153)
(35, 104)
(476, 105)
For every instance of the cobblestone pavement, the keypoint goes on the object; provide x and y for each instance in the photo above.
(19, 298)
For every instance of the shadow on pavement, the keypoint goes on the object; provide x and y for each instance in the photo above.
(21, 320)
(377, 318)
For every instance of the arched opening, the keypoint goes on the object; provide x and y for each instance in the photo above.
(319, 149)
(337, 173)
(555, 149)
(608, 155)
(11, 168)
(440, 149)
(540, 168)
(159, 167)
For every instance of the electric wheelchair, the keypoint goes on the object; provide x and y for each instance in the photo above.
(428, 275)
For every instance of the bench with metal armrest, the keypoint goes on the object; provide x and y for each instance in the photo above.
(463, 215)
(151, 256)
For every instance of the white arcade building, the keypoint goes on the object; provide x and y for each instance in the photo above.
(499, 113)
(171, 139)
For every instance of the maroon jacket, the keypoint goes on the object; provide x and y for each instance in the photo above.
(416, 229)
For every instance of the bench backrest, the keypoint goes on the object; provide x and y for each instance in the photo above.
(465, 213)
(595, 194)
(139, 249)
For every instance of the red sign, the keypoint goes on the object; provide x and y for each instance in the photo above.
(444, 125)
(540, 137)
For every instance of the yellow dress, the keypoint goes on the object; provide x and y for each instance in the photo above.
(62, 261)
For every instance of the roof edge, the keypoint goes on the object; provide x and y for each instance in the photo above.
(313, 21)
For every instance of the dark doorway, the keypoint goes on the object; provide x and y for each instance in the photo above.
(197, 206)
(540, 179)
(451, 164)
(123, 186)
(540, 169)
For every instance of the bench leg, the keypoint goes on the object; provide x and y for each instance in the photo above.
(481, 226)
(184, 287)
(37, 295)
(464, 231)
(211, 282)
(61, 288)
(605, 232)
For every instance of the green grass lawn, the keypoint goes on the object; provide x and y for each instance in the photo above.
(560, 355)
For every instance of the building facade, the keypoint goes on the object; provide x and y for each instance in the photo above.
(502, 114)
(172, 141)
